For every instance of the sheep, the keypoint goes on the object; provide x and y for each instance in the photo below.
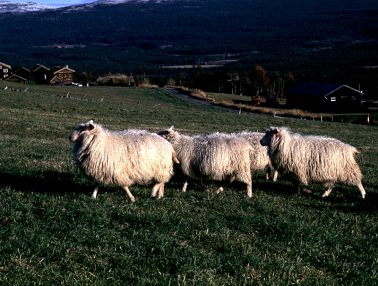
(316, 159)
(123, 158)
(219, 157)
(261, 159)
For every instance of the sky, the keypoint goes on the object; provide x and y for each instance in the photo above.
(58, 3)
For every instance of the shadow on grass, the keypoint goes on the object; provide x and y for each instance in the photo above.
(48, 182)
(274, 187)
(343, 199)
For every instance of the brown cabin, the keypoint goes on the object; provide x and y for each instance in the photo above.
(16, 78)
(19, 74)
(5, 71)
(62, 76)
(41, 74)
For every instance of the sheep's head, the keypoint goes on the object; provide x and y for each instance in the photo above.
(167, 133)
(78, 134)
(269, 135)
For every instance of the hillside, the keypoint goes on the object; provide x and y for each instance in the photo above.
(52, 232)
(334, 40)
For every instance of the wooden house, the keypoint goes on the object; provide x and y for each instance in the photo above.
(323, 97)
(17, 78)
(5, 71)
(21, 72)
(41, 74)
(62, 76)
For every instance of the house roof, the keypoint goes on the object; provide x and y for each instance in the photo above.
(316, 89)
(59, 69)
(5, 65)
(38, 66)
(18, 68)
(16, 76)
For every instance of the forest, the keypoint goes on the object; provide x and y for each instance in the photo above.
(319, 41)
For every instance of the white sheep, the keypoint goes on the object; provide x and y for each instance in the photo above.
(261, 159)
(309, 159)
(217, 157)
(123, 158)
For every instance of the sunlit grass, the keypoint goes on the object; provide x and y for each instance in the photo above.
(52, 232)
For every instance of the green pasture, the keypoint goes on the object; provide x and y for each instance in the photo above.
(53, 233)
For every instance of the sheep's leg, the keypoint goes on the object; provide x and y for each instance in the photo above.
(306, 191)
(155, 189)
(184, 186)
(249, 190)
(267, 173)
(161, 191)
(94, 193)
(227, 183)
(327, 192)
(275, 176)
(298, 188)
(129, 193)
(206, 189)
(362, 190)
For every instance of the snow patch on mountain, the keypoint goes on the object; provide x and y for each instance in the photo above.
(22, 7)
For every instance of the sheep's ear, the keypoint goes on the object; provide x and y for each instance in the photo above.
(91, 126)
(275, 131)
(171, 128)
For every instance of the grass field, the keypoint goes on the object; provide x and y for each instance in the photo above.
(52, 232)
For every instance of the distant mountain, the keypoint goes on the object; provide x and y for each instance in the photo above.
(324, 38)
(22, 7)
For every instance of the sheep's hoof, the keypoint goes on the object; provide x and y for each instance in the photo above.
(325, 195)
(307, 191)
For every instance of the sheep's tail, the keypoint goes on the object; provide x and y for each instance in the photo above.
(174, 158)
(355, 151)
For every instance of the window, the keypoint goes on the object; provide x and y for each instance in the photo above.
(1, 67)
(333, 98)
(354, 98)
(5, 70)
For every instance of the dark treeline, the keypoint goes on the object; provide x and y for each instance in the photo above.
(325, 41)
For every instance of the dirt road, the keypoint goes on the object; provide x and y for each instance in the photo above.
(186, 97)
